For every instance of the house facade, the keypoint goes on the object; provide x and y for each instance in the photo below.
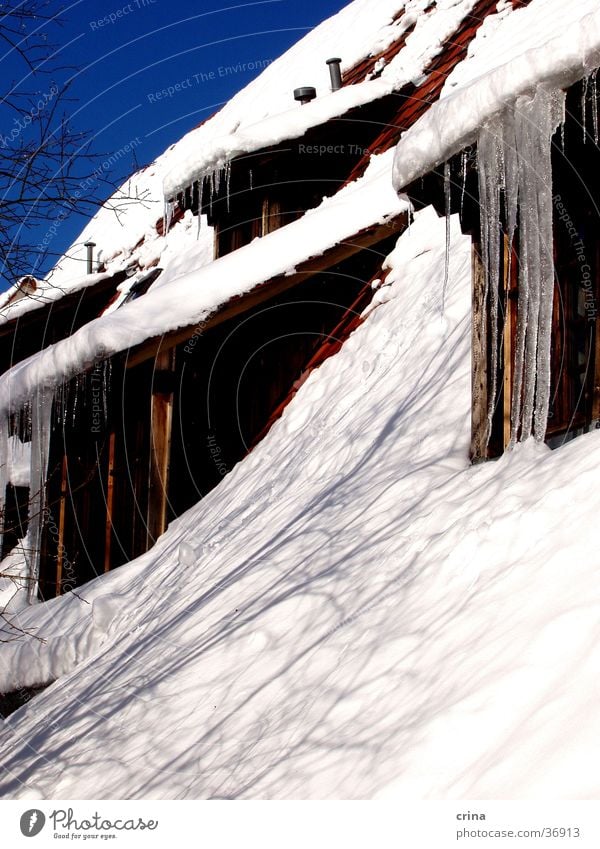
(138, 391)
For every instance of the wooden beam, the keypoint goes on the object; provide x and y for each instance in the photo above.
(110, 498)
(161, 421)
(479, 381)
(270, 288)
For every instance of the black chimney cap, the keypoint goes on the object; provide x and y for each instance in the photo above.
(335, 61)
(305, 94)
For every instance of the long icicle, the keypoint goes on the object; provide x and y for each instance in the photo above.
(514, 153)
(447, 196)
(40, 441)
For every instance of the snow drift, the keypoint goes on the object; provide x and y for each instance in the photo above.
(355, 611)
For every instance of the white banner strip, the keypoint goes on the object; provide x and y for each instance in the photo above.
(302, 825)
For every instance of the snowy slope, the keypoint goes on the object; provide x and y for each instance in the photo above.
(367, 614)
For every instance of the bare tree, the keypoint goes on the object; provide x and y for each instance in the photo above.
(47, 170)
(44, 162)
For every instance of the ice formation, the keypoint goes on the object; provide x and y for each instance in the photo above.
(40, 442)
(514, 159)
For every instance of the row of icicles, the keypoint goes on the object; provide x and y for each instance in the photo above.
(210, 183)
(32, 423)
(515, 173)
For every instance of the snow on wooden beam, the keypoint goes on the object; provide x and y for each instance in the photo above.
(270, 288)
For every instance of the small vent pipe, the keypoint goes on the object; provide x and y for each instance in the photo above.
(305, 94)
(90, 256)
(335, 73)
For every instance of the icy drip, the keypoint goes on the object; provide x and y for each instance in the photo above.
(514, 152)
(551, 114)
(447, 198)
(106, 387)
(76, 391)
(488, 162)
(168, 216)
(3, 472)
(593, 89)
(589, 94)
(200, 185)
(212, 183)
(228, 182)
(584, 90)
(463, 176)
(40, 441)
(60, 404)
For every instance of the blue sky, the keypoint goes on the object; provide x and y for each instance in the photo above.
(122, 53)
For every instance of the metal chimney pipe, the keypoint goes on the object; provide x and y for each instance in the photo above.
(335, 73)
(90, 256)
(305, 94)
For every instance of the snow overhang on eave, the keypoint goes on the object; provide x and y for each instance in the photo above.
(454, 122)
(272, 287)
(191, 299)
(265, 134)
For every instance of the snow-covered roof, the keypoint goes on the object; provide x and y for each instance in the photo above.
(550, 42)
(261, 115)
(264, 113)
(190, 290)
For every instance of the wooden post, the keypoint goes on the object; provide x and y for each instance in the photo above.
(110, 498)
(161, 420)
(479, 382)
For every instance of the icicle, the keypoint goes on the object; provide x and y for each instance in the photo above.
(211, 189)
(447, 199)
(59, 403)
(488, 160)
(594, 85)
(463, 174)
(200, 185)
(24, 422)
(227, 181)
(548, 114)
(106, 378)
(168, 216)
(4, 426)
(514, 152)
(40, 441)
(510, 176)
(584, 89)
(251, 180)
(76, 384)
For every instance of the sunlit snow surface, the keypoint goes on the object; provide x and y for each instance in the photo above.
(368, 614)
